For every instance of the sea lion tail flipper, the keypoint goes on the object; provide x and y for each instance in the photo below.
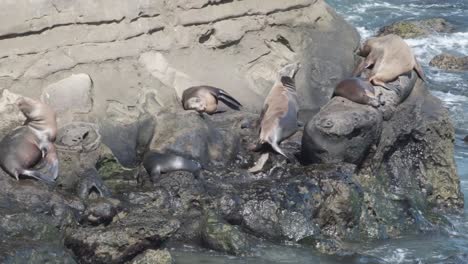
(229, 100)
(52, 161)
(419, 70)
(37, 175)
(275, 146)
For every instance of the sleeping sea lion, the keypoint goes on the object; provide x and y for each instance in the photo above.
(278, 119)
(157, 163)
(359, 91)
(389, 56)
(30, 144)
(204, 99)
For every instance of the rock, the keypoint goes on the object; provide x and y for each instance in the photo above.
(465, 139)
(158, 46)
(10, 115)
(345, 131)
(153, 257)
(127, 132)
(101, 211)
(188, 134)
(224, 237)
(72, 94)
(122, 240)
(450, 62)
(417, 28)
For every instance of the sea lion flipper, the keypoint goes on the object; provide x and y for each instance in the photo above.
(37, 175)
(419, 70)
(275, 146)
(228, 99)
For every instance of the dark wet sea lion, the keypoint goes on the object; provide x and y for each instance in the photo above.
(31, 144)
(389, 56)
(204, 99)
(358, 90)
(278, 120)
(158, 163)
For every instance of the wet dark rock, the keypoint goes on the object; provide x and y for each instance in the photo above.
(223, 237)
(417, 28)
(188, 133)
(124, 239)
(450, 62)
(101, 211)
(345, 131)
(465, 139)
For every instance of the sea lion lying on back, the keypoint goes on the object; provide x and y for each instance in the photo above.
(204, 99)
(389, 56)
(278, 120)
(30, 144)
(157, 163)
(359, 91)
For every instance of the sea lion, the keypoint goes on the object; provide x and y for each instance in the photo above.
(278, 119)
(204, 99)
(30, 144)
(157, 163)
(389, 56)
(359, 91)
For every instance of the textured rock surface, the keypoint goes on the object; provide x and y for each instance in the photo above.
(417, 28)
(154, 257)
(449, 62)
(161, 47)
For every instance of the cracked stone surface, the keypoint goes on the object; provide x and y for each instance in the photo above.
(165, 46)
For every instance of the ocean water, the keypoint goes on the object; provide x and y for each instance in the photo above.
(452, 88)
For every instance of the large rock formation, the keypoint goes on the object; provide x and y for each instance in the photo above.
(114, 71)
(163, 46)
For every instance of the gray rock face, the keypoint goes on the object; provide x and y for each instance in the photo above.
(344, 131)
(163, 47)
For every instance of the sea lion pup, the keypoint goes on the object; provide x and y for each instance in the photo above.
(30, 144)
(389, 56)
(278, 119)
(204, 99)
(157, 163)
(359, 91)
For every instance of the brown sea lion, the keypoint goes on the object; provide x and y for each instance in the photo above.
(157, 163)
(389, 56)
(204, 99)
(30, 144)
(278, 119)
(359, 91)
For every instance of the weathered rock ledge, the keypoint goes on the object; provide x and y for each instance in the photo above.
(115, 84)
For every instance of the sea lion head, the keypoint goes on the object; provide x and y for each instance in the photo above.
(289, 70)
(196, 103)
(27, 106)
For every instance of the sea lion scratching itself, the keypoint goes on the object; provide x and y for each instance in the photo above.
(157, 163)
(30, 144)
(359, 91)
(389, 56)
(204, 99)
(278, 119)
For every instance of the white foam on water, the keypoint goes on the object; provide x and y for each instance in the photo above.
(450, 98)
(399, 255)
(427, 48)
